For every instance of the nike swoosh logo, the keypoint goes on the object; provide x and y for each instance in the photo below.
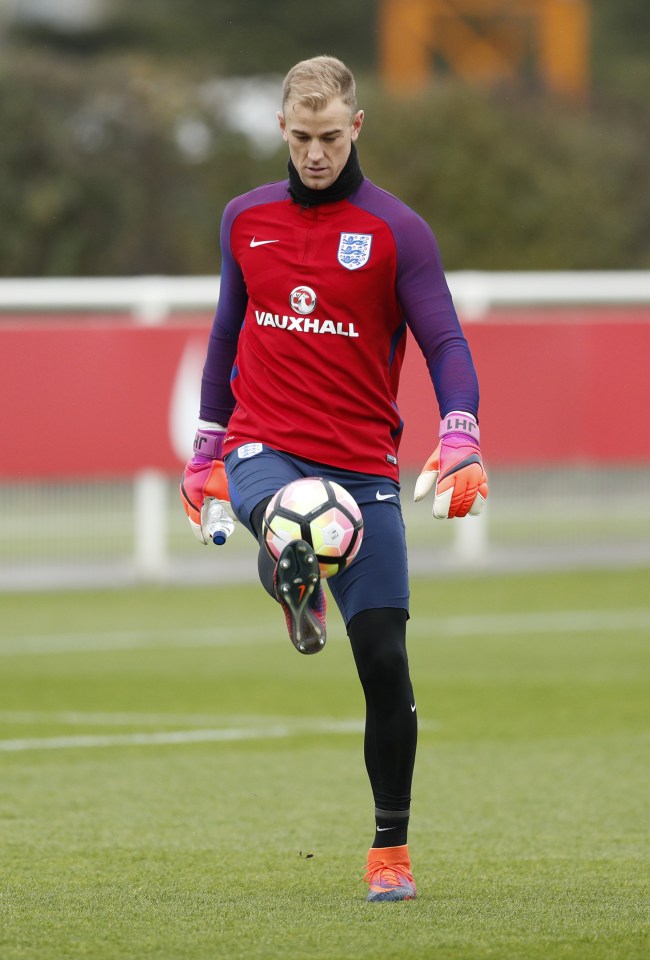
(412, 708)
(260, 243)
(384, 496)
(467, 462)
(384, 829)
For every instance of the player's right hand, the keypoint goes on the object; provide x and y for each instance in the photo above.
(204, 481)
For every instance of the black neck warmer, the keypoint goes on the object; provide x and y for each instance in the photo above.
(348, 180)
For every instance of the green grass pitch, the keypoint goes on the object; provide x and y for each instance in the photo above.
(176, 782)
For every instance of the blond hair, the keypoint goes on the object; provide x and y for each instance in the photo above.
(314, 83)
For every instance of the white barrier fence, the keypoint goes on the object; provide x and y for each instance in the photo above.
(151, 299)
(148, 517)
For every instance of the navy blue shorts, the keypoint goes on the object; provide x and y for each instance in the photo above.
(378, 577)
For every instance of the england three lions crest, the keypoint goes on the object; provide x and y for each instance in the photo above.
(354, 250)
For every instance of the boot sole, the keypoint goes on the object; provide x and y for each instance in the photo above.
(298, 575)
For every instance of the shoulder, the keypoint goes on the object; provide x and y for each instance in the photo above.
(414, 239)
(277, 192)
(389, 208)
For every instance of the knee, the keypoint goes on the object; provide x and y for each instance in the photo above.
(389, 657)
(378, 640)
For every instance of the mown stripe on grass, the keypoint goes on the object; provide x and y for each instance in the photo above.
(133, 640)
(549, 621)
(529, 623)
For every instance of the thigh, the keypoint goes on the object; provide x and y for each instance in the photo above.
(378, 577)
(256, 472)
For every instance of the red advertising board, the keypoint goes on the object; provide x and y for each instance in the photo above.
(557, 387)
(88, 396)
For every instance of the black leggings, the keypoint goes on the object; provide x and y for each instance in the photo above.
(378, 640)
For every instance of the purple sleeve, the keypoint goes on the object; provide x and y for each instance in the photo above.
(426, 302)
(429, 310)
(217, 400)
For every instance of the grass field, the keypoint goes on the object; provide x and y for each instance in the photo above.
(177, 782)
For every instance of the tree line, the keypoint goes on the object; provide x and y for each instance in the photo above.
(119, 154)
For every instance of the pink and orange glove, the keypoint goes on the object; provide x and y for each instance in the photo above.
(455, 469)
(204, 487)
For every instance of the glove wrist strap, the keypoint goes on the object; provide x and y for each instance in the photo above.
(459, 422)
(209, 443)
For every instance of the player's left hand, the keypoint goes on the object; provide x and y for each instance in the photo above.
(455, 469)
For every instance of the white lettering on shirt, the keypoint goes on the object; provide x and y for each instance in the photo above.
(305, 324)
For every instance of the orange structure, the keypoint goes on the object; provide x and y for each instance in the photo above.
(485, 42)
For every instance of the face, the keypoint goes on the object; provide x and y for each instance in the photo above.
(319, 141)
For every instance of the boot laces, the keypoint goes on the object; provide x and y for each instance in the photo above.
(388, 875)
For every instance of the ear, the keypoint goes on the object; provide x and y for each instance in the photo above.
(357, 122)
(283, 124)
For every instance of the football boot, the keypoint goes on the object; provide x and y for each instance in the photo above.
(388, 875)
(301, 596)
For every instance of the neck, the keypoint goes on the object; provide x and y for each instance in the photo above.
(348, 181)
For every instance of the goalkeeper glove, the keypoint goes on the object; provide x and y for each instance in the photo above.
(455, 470)
(204, 487)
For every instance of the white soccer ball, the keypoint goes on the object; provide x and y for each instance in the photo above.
(320, 512)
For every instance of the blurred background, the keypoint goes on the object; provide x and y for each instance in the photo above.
(519, 130)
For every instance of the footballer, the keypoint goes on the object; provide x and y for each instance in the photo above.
(322, 275)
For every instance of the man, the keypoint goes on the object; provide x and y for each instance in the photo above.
(321, 275)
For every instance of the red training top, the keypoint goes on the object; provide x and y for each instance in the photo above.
(309, 335)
